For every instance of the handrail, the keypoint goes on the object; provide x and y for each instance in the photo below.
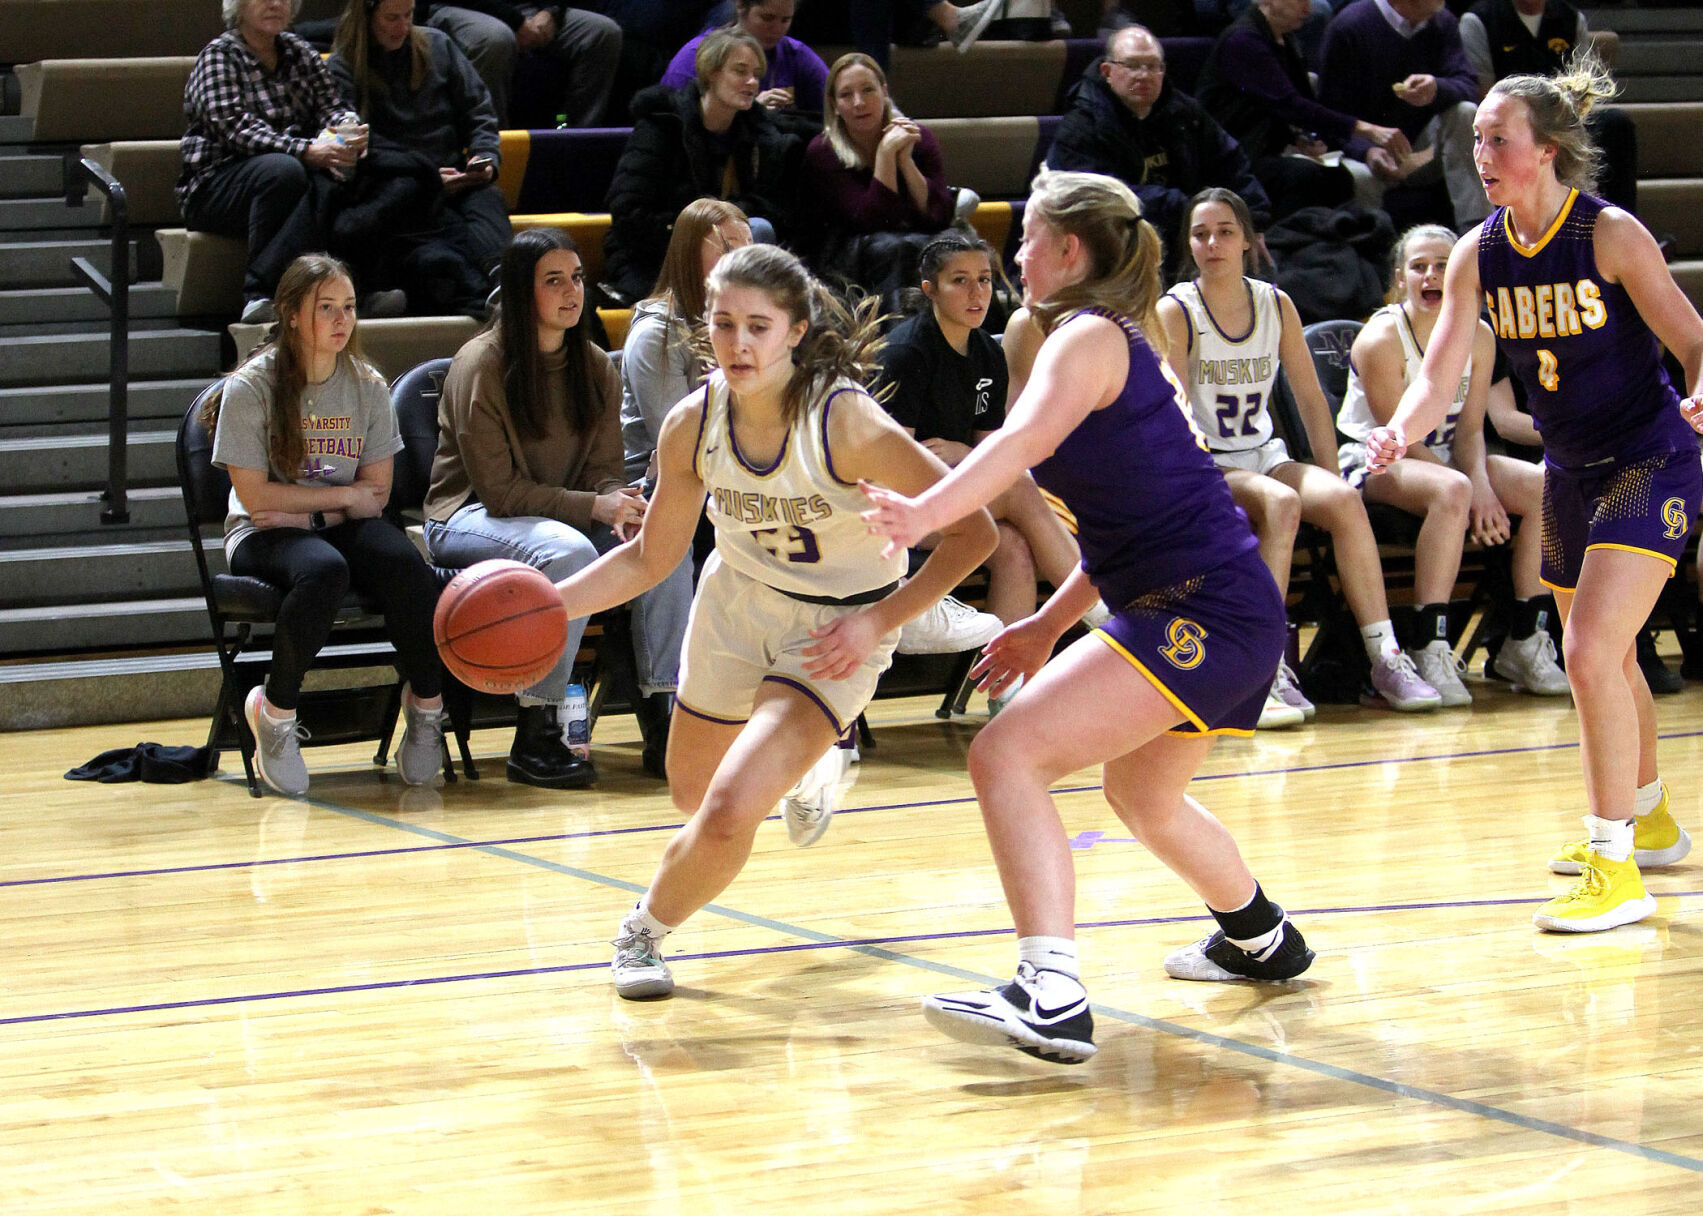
(81, 172)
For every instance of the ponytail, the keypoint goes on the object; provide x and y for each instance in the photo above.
(1557, 105)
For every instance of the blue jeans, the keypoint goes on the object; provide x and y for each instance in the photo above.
(659, 615)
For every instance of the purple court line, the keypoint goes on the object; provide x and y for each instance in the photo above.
(746, 952)
(207, 867)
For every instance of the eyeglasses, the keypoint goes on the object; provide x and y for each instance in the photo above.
(1142, 67)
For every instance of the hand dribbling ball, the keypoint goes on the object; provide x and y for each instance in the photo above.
(500, 626)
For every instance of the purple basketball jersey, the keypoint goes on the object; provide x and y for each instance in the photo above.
(1589, 364)
(1151, 508)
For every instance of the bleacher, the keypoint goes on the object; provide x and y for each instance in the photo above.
(113, 609)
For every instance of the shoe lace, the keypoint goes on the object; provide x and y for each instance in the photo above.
(636, 946)
(1592, 882)
(276, 739)
(1401, 664)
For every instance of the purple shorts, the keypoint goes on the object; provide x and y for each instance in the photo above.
(1647, 506)
(1209, 645)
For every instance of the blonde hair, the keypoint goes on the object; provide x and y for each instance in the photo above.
(1557, 105)
(1124, 252)
(840, 341)
(718, 47)
(353, 41)
(1397, 291)
(833, 129)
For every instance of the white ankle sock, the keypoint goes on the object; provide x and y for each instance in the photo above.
(1258, 945)
(1647, 798)
(1379, 639)
(1049, 954)
(642, 917)
(274, 714)
(1610, 838)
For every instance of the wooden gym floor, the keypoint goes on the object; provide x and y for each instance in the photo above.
(390, 1001)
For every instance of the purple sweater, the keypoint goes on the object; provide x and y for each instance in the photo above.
(853, 201)
(1364, 56)
(792, 65)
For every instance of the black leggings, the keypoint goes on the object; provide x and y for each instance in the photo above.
(317, 569)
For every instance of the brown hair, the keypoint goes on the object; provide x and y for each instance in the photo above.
(1557, 105)
(1124, 252)
(516, 324)
(681, 280)
(293, 300)
(1244, 217)
(718, 47)
(833, 130)
(353, 41)
(840, 341)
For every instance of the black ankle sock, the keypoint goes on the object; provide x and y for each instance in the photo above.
(1529, 617)
(1253, 919)
(1430, 624)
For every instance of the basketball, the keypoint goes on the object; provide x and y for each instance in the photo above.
(500, 626)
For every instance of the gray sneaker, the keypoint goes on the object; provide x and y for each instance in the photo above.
(1399, 684)
(809, 806)
(638, 970)
(1529, 664)
(277, 746)
(1438, 668)
(420, 754)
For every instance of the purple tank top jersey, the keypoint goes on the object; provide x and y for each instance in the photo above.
(1151, 508)
(1589, 364)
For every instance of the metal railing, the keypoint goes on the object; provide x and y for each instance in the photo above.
(80, 173)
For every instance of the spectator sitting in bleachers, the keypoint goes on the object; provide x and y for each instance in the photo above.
(1442, 479)
(1127, 121)
(417, 91)
(796, 79)
(529, 468)
(659, 366)
(879, 180)
(1507, 37)
(709, 139)
(495, 33)
(259, 110)
(1256, 84)
(943, 378)
(1230, 383)
(1399, 63)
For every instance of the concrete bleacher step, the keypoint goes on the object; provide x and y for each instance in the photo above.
(1670, 206)
(23, 176)
(1688, 273)
(57, 628)
(66, 305)
(31, 520)
(16, 129)
(1668, 139)
(55, 404)
(99, 573)
(25, 214)
(49, 29)
(1668, 56)
(69, 690)
(70, 100)
(39, 464)
(47, 263)
(154, 353)
(1660, 89)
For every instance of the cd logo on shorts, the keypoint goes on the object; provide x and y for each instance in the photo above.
(1185, 646)
(1675, 516)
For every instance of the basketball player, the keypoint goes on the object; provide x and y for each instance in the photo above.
(1579, 295)
(1188, 653)
(1230, 381)
(798, 609)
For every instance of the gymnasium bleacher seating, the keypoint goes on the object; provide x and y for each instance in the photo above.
(88, 76)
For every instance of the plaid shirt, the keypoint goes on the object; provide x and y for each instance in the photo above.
(235, 109)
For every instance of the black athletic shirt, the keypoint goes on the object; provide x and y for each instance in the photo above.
(938, 392)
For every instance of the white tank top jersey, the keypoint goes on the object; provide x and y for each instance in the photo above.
(1355, 418)
(1231, 379)
(796, 525)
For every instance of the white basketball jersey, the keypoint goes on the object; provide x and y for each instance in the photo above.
(796, 525)
(1355, 418)
(1231, 379)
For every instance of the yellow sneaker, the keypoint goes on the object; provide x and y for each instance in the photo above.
(1657, 840)
(1608, 894)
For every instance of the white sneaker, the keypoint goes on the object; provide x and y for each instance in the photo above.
(1287, 686)
(1096, 616)
(1278, 714)
(1438, 667)
(947, 628)
(638, 969)
(809, 806)
(1529, 664)
(1013, 1015)
(998, 703)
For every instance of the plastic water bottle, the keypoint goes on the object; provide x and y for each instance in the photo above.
(576, 724)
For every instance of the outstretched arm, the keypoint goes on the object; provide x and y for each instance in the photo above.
(666, 534)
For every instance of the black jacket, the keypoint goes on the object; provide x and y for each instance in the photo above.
(671, 160)
(1165, 158)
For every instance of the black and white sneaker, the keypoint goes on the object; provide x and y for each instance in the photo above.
(1219, 959)
(1014, 1016)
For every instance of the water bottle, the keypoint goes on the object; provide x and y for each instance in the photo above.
(576, 725)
